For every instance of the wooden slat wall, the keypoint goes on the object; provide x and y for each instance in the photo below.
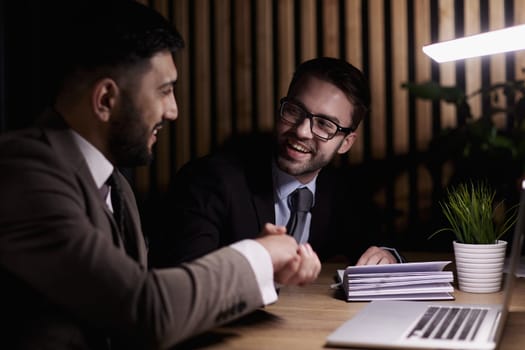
(240, 56)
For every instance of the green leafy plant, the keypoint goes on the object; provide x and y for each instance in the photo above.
(477, 148)
(473, 216)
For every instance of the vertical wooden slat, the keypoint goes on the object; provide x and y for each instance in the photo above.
(448, 73)
(353, 32)
(354, 54)
(243, 66)
(264, 62)
(519, 18)
(202, 75)
(377, 85)
(497, 62)
(399, 64)
(447, 70)
(423, 71)
(473, 65)
(423, 109)
(182, 89)
(308, 35)
(223, 69)
(377, 78)
(331, 28)
(285, 44)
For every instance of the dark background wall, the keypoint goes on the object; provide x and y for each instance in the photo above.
(239, 58)
(25, 73)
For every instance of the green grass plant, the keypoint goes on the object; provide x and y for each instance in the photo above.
(471, 213)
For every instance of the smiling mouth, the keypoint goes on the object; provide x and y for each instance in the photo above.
(156, 129)
(298, 147)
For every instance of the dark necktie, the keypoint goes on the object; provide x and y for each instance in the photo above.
(120, 213)
(300, 202)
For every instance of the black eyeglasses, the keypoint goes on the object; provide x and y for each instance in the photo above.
(321, 126)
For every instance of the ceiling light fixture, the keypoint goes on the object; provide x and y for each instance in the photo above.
(496, 41)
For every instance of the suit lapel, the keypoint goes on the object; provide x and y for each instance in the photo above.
(115, 231)
(62, 141)
(264, 208)
(260, 183)
(321, 212)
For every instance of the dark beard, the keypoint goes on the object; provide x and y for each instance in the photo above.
(292, 169)
(129, 136)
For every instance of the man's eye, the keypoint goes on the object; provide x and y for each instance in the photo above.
(167, 91)
(321, 122)
(325, 124)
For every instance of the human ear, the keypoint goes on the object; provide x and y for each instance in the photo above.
(104, 98)
(347, 143)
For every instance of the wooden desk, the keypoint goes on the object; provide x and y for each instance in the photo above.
(304, 316)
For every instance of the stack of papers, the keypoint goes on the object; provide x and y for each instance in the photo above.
(402, 281)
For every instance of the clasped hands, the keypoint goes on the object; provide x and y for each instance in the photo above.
(293, 264)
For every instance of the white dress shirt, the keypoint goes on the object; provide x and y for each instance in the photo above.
(257, 256)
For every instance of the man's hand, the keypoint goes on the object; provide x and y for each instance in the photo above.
(300, 271)
(281, 247)
(292, 263)
(376, 256)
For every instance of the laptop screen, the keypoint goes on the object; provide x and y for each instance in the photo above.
(517, 243)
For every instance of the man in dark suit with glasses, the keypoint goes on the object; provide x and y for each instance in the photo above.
(229, 195)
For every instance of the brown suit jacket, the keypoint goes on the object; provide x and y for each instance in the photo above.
(66, 282)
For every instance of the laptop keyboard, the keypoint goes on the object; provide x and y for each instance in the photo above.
(449, 322)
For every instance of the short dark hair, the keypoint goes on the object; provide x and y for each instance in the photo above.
(107, 35)
(342, 74)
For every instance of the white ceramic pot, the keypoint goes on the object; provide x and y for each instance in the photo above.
(480, 266)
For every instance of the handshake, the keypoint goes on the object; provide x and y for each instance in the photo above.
(293, 264)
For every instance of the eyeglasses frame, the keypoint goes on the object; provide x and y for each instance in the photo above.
(310, 116)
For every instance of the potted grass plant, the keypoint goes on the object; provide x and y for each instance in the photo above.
(478, 224)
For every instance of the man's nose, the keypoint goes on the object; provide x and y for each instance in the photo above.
(304, 128)
(172, 110)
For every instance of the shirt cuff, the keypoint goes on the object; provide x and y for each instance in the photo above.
(261, 264)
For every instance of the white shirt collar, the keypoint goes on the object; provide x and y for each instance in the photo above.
(98, 165)
(285, 184)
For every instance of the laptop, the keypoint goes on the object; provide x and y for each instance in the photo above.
(398, 324)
